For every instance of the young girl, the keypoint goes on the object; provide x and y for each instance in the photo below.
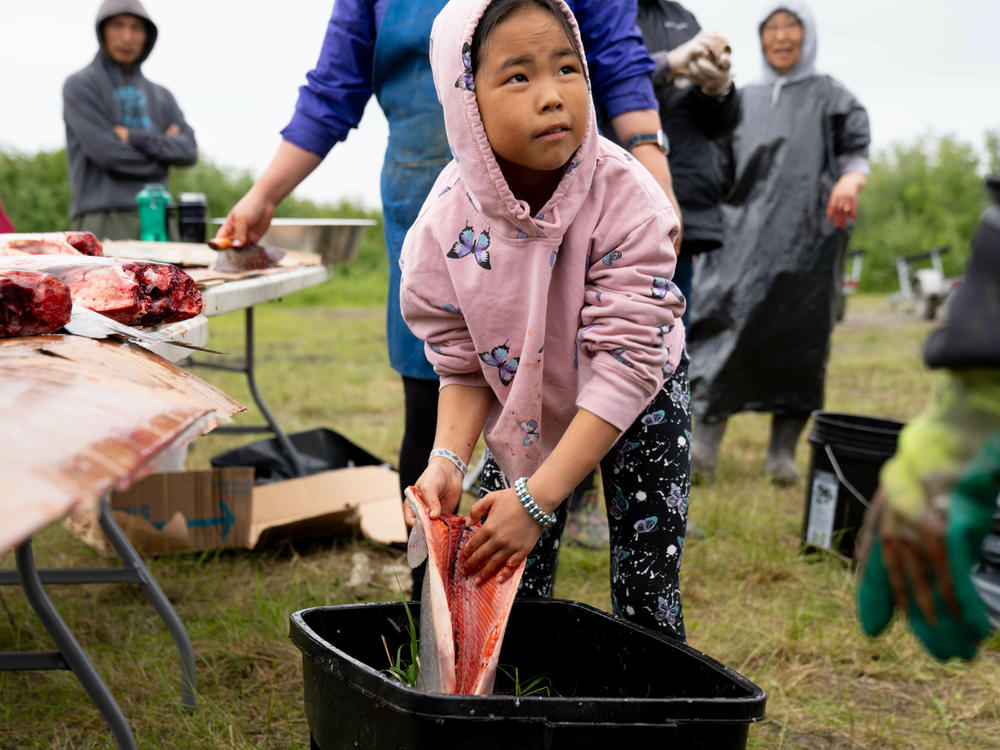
(538, 274)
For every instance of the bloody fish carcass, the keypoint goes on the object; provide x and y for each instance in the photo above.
(462, 622)
(134, 292)
(32, 303)
(50, 243)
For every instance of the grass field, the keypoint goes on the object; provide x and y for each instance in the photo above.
(782, 619)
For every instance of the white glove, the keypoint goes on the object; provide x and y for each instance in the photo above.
(675, 61)
(713, 79)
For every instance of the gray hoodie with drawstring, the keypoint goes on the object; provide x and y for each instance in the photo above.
(105, 172)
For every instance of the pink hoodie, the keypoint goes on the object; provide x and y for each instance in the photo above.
(572, 308)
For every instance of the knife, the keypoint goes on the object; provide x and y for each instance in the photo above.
(85, 322)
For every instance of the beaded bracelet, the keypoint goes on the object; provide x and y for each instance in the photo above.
(539, 516)
(451, 456)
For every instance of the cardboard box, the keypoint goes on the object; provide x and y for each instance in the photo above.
(218, 508)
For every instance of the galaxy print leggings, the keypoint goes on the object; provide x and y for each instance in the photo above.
(646, 478)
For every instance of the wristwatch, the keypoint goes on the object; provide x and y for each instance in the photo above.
(658, 139)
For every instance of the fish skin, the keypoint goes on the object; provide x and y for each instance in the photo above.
(462, 623)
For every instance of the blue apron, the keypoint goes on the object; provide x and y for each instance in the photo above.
(417, 151)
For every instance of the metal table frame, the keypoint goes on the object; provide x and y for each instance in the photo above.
(244, 294)
(247, 368)
(69, 654)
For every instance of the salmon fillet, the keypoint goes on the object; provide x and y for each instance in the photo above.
(461, 623)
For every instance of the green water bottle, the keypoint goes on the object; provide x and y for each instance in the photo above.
(153, 201)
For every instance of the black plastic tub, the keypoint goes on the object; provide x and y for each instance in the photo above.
(613, 682)
(319, 449)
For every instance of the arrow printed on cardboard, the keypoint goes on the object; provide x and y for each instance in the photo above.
(225, 520)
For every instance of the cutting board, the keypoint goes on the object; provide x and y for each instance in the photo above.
(195, 254)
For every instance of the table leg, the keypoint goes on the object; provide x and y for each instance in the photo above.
(157, 598)
(248, 369)
(134, 571)
(70, 649)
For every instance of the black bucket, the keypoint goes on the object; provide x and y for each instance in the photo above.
(615, 683)
(848, 452)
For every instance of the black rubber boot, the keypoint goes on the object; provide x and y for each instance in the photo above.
(785, 431)
(706, 438)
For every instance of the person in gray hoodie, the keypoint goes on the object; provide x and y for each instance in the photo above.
(122, 130)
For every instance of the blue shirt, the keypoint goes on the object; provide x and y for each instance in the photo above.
(338, 88)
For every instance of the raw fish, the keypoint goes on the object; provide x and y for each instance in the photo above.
(461, 622)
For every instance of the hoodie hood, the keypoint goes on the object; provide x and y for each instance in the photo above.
(489, 193)
(111, 8)
(806, 65)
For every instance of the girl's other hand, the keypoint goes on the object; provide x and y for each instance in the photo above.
(506, 538)
(441, 488)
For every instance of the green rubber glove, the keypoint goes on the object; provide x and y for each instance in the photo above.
(973, 502)
(929, 520)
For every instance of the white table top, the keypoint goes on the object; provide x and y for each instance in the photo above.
(243, 293)
(192, 331)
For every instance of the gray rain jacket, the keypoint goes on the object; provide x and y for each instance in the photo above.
(105, 173)
(761, 321)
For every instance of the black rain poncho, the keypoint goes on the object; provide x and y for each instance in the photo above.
(763, 303)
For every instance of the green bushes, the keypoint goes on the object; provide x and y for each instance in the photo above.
(35, 189)
(920, 195)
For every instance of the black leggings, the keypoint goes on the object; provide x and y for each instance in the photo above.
(421, 400)
(647, 480)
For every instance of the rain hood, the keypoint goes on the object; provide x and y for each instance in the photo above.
(806, 64)
(110, 8)
(478, 167)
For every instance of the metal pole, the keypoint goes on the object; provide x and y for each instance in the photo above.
(70, 648)
(158, 599)
(286, 444)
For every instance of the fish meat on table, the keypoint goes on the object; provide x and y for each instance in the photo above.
(50, 243)
(32, 303)
(462, 623)
(249, 257)
(134, 292)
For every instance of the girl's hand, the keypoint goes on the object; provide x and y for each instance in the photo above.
(441, 488)
(843, 204)
(505, 539)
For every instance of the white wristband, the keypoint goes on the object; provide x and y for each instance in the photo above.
(451, 456)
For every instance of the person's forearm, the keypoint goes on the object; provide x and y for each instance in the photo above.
(462, 412)
(289, 166)
(585, 442)
(857, 177)
(641, 121)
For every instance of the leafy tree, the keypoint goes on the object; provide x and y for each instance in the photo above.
(919, 196)
(993, 151)
(35, 189)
